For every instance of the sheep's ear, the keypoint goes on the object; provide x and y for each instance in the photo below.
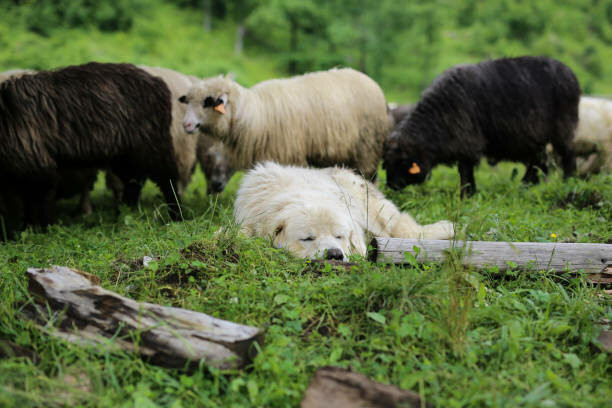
(183, 99)
(220, 108)
(414, 169)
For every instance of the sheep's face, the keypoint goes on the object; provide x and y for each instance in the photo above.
(218, 170)
(209, 107)
(404, 164)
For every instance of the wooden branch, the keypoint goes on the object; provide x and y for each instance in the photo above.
(558, 257)
(340, 388)
(167, 336)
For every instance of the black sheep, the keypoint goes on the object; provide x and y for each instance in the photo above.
(71, 119)
(504, 109)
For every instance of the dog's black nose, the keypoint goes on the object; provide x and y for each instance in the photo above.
(334, 253)
(217, 186)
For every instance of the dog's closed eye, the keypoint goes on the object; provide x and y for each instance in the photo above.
(307, 239)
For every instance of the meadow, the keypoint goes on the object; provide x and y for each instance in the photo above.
(458, 337)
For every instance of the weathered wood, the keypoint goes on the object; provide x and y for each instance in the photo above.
(558, 257)
(340, 388)
(167, 336)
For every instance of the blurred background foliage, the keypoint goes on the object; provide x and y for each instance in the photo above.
(401, 44)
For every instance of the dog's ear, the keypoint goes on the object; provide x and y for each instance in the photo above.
(278, 230)
(278, 235)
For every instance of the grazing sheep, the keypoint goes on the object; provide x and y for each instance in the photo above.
(216, 163)
(87, 116)
(593, 141)
(504, 109)
(322, 212)
(321, 119)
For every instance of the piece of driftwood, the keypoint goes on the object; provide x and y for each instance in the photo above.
(558, 257)
(340, 388)
(84, 312)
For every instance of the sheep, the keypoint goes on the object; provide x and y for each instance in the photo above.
(216, 163)
(86, 116)
(593, 141)
(504, 109)
(71, 182)
(185, 145)
(320, 119)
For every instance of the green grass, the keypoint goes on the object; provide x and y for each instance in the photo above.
(458, 337)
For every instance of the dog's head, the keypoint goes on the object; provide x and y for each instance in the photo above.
(318, 231)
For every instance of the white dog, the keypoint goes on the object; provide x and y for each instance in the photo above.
(322, 212)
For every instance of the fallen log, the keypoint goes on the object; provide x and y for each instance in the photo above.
(85, 313)
(340, 388)
(557, 257)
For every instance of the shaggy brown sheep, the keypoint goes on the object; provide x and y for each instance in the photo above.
(92, 115)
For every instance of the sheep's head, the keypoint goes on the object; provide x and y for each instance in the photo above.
(217, 169)
(404, 162)
(209, 106)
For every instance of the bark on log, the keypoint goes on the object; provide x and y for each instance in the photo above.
(558, 257)
(340, 388)
(168, 336)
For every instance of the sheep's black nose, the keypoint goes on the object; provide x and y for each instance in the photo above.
(334, 253)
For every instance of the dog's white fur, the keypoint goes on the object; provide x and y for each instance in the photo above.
(312, 211)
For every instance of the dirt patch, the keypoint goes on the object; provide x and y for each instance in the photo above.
(319, 266)
(208, 251)
(325, 326)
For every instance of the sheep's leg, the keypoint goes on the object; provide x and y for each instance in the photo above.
(85, 203)
(538, 161)
(39, 206)
(131, 191)
(568, 159)
(466, 175)
(531, 174)
(562, 142)
(172, 197)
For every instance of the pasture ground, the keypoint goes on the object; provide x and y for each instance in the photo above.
(458, 337)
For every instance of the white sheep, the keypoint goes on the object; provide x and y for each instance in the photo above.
(320, 119)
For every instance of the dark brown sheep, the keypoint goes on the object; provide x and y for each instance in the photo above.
(504, 109)
(94, 115)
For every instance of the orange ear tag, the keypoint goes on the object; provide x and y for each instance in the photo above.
(415, 169)
(220, 108)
